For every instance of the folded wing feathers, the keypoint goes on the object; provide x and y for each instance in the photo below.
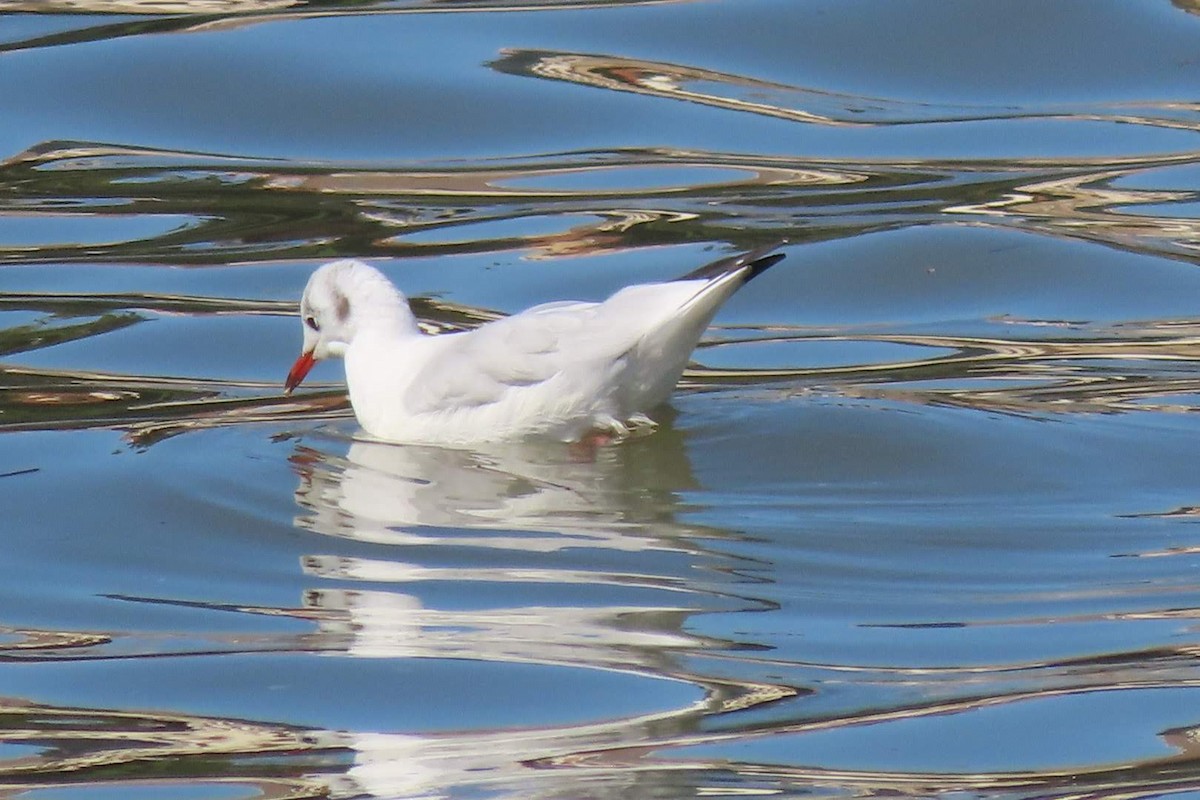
(532, 347)
(510, 353)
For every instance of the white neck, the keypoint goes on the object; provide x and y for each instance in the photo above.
(387, 316)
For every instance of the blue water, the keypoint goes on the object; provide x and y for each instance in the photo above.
(919, 521)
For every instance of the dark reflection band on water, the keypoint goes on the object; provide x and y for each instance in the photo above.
(591, 202)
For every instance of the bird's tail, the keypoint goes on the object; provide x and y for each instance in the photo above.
(755, 262)
(659, 357)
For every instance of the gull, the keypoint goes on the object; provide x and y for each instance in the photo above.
(569, 370)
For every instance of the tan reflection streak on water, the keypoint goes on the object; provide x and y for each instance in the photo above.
(76, 744)
(1086, 206)
(1044, 377)
(243, 12)
(489, 182)
(146, 6)
(802, 104)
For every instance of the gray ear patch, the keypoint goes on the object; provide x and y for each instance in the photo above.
(341, 307)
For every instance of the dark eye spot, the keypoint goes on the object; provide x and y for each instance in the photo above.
(311, 322)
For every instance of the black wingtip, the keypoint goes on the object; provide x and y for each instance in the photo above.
(759, 260)
(761, 265)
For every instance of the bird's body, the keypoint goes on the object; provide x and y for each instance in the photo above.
(560, 370)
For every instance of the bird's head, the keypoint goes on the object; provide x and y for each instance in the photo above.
(339, 299)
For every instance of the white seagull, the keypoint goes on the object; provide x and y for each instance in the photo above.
(567, 370)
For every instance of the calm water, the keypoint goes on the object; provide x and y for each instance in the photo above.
(921, 520)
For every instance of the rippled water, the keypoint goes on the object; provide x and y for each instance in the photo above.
(919, 522)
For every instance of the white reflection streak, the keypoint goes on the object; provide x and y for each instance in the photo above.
(384, 571)
(393, 625)
(403, 495)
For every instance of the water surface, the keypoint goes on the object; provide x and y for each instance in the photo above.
(919, 521)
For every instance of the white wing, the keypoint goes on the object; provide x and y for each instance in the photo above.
(591, 341)
(481, 367)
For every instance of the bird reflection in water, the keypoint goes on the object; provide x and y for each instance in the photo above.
(515, 515)
(617, 573)
(626, 496)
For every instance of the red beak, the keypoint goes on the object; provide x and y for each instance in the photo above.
(303, 364)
